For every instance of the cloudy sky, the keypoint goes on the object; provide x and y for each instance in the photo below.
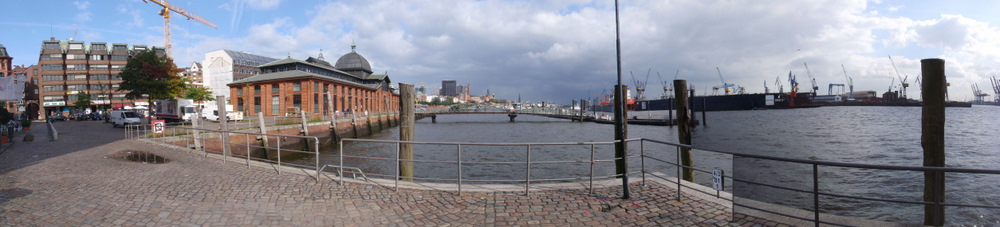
(560, 50)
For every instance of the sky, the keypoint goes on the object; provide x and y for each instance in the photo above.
(560, 50)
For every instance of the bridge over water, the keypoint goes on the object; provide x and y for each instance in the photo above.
(553, 112)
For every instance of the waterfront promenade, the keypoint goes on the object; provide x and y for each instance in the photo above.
(71, 182)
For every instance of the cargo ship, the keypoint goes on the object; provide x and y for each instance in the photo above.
(720, 102)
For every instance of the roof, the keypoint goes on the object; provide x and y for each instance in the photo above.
(299, 74)
(290, 60)
(244, 58)
(3, 52)
(353, 61)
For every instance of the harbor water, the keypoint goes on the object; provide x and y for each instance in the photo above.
(871, 135)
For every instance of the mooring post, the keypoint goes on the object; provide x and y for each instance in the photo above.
(684, 127)
(263, 130)
(621, 133)
(223, 119)
(704, 120)
(333, 116)
(670, 112)
(305, 124)
(932, 138)
(434, 118)
(406, 131)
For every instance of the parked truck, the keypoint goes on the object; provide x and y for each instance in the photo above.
(175, 110)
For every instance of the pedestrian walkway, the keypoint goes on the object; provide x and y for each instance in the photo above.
(73, 182)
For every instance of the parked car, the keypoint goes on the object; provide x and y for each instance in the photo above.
(58, 117)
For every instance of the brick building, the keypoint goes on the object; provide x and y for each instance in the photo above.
(290, 86)
(69, 67)
(194, 74)
(6, 69)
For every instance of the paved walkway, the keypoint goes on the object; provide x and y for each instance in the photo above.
(71, 182)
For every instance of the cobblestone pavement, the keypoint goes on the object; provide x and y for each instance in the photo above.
(71, 182)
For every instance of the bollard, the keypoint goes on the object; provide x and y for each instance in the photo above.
(932, 138)
(406, 131)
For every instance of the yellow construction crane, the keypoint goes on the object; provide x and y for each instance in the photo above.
(165, 12)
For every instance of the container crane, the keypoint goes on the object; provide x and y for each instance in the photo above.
(979, 94)
(165, 12)
(996, 89)
(725, 87)
(850, 83)
(902, 80)
(640, 86)
(667, 85)
(808, 73)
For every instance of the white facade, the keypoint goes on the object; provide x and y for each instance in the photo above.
(217, 72)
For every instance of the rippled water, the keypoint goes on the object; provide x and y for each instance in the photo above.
(872, 135)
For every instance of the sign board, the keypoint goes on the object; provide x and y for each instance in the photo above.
(59, 103)
(158, 126)
(717, 179)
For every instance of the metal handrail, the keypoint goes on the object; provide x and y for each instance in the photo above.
(354, 171)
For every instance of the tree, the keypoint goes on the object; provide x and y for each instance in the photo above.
(82, 100)
(151, 75)
(198, 95)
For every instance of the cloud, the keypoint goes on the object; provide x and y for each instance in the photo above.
(82, 7)
(562, 50)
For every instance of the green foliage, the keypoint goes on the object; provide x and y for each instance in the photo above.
(82, 100)
(151, 75)
(26, 123)
(198, 94)
(437, 101)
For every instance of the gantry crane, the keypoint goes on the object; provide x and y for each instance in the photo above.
(850, 83)
(813, 80)
(902, 80)
(725, 87)
(996, 88)
(668, 86)
(979, 94)
(165, 12)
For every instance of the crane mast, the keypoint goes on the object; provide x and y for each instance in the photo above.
(850, 82)
(165, 12)
(813, 80)
(902, 81)
(725, 86)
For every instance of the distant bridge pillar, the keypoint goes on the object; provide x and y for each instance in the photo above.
(512, 116)
(434, 118)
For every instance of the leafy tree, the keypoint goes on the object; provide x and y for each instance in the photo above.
(82, 100)
(151, 75)
(199, 95)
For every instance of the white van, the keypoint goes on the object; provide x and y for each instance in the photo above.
(124, 117)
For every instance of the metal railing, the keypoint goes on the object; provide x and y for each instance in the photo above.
(459, 163)
(940, 171)
(201, 138)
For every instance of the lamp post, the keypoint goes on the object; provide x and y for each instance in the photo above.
(621, 134)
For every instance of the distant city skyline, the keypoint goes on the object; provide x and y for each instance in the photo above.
(559, 51)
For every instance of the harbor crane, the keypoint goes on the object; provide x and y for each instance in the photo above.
(811, 78)
(668, 86)
(725, 87)
(165, 12)
(979, 94)
(996, 88)
(850, 83)
(777, 83)
(640, 86)
(902, 80)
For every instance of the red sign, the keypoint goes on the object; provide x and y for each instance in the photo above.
(158, 126)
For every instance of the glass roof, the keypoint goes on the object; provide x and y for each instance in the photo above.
(242, 58)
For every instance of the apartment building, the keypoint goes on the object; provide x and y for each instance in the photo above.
(69, 67)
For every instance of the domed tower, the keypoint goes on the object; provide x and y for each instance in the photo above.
(354, 64)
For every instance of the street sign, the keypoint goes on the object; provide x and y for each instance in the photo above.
(158, 126)
(717, 179)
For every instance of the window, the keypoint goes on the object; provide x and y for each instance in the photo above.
(274, 105)
(36, 73)
(52, 67)
(98, 67)
(256, 90)
(52, 77)
(297, 86)
(76, 77)
(51, 46)
(99, 77)
(239, 104)
(315, 103)
(315, 86)
(116, 77)
(78, 87)
(119, 58)
(76, 57)
(297, 101)
(274, 89)
(256, 104)
(51, 56)
(117, 67)
(239, 91)
(97, 57)
(52, 88)
(75, 46)
(53, 98)
(76, 67)
(118, 96)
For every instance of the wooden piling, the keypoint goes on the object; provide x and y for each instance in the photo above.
(223, 119)
(406, 125)
(684, 127)
(263, 130)
(670, 113)
(932, 138)
(305, 125)
(621, 131)
(333, 116)
(704, 121)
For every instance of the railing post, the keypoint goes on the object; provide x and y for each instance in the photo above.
(592, 163)
(527, 170)
(816, 194)
(395, 180)
(341, 165)
(279, 155)
(460, 169)
(642, 160)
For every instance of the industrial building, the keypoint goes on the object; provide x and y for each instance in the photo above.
(222, 67)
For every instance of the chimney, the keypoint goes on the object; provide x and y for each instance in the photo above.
(52, 38)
